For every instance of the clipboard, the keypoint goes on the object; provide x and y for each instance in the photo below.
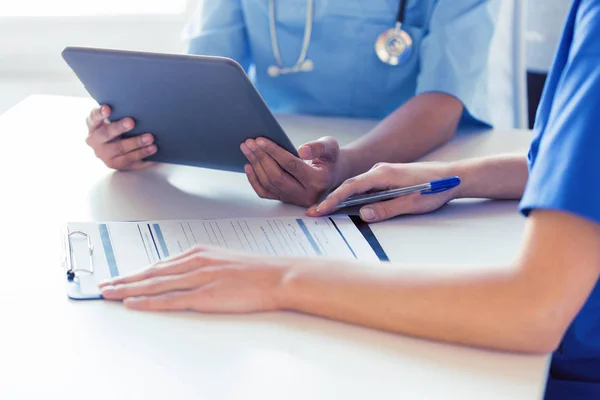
(123, 247)
(75, 273)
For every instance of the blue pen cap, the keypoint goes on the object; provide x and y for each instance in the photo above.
(441, 185)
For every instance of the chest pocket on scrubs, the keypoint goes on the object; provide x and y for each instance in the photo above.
(374, 89)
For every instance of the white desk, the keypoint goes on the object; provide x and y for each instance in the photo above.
(95, 350)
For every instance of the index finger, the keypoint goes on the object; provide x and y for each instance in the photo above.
(97, 117)
(290, 163)
(353, 186)
(167, 266)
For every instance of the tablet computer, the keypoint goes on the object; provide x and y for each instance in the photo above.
(199, 108)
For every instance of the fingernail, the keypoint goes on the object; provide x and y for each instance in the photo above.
(367, 214)
(108, 290)
(147, 139)
(127, 124)
(244, 149)
(305, 152)
(261, 143)
(103, 111)
(151, 149)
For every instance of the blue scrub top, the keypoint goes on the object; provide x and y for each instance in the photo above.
(565, 175)
(451, 42)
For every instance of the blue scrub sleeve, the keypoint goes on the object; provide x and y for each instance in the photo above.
(565, 156)
(217, 28)
(455, 51)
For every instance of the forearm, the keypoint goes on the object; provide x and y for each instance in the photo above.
(494, 177)
(420, 125)
(526, 306)
(491, 311)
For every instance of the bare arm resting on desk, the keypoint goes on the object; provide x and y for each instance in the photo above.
(526, 308)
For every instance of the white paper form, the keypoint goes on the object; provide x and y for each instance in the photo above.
(121, 248)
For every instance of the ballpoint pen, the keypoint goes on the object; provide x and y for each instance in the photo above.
(433, 187)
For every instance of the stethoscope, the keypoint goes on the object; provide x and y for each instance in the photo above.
(393, 47)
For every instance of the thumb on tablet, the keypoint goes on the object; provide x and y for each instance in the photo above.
(326, 148)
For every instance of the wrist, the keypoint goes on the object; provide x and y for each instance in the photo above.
(285, 293)
(493, 177)
(480, 179)
(464, 171)
(345, 166)
(294, 290)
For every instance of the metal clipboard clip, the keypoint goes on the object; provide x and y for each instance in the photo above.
(69, 260)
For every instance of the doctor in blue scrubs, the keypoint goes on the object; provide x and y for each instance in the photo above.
(548, 301)
(420, 65)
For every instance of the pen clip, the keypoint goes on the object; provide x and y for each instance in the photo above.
(442, 185)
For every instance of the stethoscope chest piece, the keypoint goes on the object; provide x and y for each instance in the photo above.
(394, 46)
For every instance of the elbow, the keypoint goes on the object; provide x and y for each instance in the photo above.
(541, 344)
(542, 330)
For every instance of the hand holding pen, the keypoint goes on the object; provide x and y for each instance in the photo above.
(388, 190)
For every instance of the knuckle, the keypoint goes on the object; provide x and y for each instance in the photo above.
(196, 249)
(129, 159)
(198, 257)
(111, 163)
(291, 165)
(93, 116)
(277, 180)
(382, 211)
(119, 147)
(118, 162)
(173, 299)
(137, 155)
(252, 158)
(115, 129)
(154, 282)
(348, 183)
(269, 186)
(155, 268)
(262, 156)
(382, 167)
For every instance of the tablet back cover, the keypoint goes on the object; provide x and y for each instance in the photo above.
(200, 109)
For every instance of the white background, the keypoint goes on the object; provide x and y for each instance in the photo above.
(34, 32)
